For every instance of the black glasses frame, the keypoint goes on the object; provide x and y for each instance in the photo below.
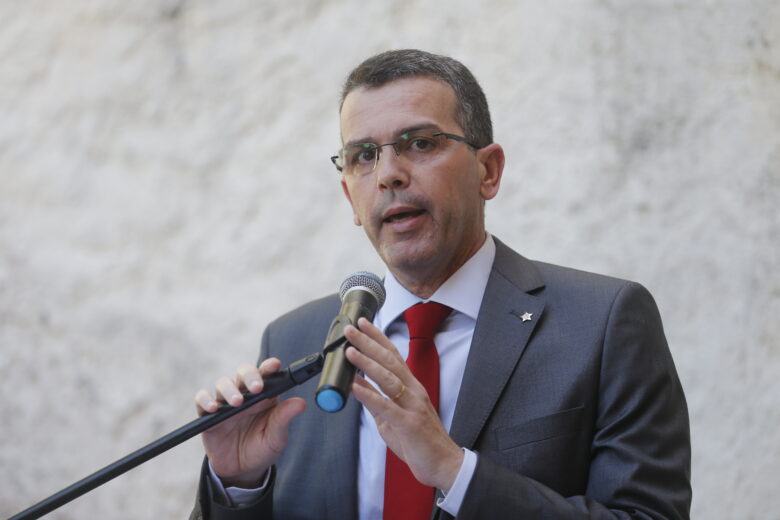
(378, 147)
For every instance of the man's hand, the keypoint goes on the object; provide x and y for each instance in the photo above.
(409, 424)
(242, 448)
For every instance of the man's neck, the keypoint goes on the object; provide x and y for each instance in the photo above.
(422, 289)
(424, 281)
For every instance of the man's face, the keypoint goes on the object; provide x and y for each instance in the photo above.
(423, 220)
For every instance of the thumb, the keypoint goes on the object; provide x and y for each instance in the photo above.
(280, 419)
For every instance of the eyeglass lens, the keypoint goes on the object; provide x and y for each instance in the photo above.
(417, 147)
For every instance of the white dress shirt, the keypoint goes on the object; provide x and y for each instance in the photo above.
(462, 292)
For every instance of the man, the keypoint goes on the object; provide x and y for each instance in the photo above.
(555, 394)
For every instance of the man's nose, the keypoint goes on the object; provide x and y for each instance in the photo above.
(392, 170)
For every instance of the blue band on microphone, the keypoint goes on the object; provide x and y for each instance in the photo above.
(330, 400)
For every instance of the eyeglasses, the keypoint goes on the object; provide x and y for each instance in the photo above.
(418, 147)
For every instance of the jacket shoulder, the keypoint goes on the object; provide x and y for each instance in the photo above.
(555, 281)
(301, 331)
(557, 275)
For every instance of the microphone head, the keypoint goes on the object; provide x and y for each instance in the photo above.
(367, 282)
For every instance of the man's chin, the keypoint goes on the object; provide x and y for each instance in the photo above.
(408, 257)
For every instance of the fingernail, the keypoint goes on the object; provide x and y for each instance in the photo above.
(255, 386)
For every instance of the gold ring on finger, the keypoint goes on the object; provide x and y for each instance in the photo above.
(400, 393)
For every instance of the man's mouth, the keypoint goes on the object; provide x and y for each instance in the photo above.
(403, 215)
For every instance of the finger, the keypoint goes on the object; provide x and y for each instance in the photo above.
(384, 410)
(287, 410)
(380, 407)
(269, 366)
(373, 332)
(205, 402)
(379, 349)
(228, 392)
(361, 381)
(248, 376)
(370, 331)
(280, 419)
(388, 381)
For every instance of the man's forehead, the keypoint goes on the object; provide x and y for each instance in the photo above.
(390, 109)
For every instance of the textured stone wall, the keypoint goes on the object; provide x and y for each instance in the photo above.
(165, 191)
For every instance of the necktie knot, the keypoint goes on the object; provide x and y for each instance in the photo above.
(424, 319)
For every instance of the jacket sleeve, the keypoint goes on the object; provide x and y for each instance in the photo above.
(206, 505)
(640, 452)
(208, 508)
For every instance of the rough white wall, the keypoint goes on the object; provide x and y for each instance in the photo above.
(165, 191)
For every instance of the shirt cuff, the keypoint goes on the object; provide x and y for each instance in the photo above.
(235, 496)
(452, 501)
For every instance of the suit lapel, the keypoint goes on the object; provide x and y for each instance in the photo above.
(341, 438)
(500, 337)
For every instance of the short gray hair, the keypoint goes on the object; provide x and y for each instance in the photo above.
(471, 112)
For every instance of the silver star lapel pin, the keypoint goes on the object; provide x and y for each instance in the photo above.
(526, 316)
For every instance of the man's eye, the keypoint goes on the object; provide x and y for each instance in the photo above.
(422, 144)
(366, 156)
(362, 155)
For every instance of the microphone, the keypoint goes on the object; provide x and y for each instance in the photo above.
(362, 294)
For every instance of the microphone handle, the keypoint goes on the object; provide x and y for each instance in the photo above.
(297, 373)
(338, 373)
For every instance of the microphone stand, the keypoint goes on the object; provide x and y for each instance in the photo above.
(294, 375)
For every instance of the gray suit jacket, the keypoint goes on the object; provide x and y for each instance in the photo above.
(576, 413)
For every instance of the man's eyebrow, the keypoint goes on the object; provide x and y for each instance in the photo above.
(405, 130)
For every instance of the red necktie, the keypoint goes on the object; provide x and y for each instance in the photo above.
(405, 497)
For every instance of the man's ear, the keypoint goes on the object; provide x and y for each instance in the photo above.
(355, 217)
(492, 159)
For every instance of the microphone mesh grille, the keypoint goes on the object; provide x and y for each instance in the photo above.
(365, 280)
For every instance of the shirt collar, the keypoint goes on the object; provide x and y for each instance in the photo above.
(462, 291)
